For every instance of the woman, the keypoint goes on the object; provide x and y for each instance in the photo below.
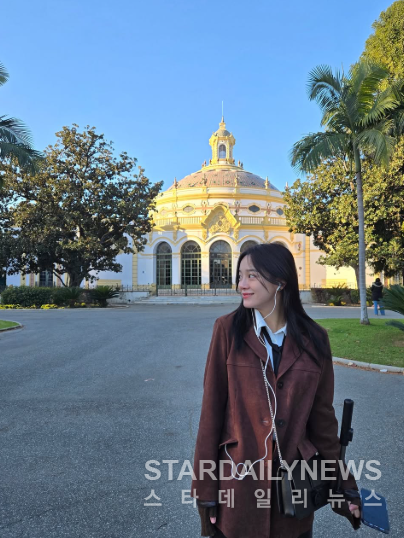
(235, 418)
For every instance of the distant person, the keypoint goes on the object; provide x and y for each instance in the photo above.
(377, 296)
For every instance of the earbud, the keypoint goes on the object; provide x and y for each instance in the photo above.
(279, 287)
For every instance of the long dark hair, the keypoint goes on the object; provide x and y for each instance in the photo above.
(275, 263)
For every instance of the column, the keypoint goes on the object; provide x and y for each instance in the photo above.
(134, 268)
(307, 261)
(205, 269)
(176, 269)
(234, 260)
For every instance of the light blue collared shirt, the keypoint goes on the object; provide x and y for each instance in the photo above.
(277, 338)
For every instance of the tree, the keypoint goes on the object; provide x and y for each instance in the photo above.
(324, 206)
(15, 138)
(386, 45)
(384, 214)
(8, 233)
(75, 215)
(357, 122)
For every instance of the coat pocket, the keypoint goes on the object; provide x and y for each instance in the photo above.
(306, 449)
(228, 441)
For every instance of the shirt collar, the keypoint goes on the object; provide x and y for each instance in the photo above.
(261, 323)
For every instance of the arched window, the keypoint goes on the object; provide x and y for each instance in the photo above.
(222, 151)
(247, 244)
(220, 265)
(164, 263)
(191, 264)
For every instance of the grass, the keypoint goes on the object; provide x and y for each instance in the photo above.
(7, 324)
(376, 343)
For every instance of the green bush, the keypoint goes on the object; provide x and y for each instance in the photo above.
(101, 293)
(72, 295)
(59, 296)
(27, 296)
(354, 296)
(337, 293)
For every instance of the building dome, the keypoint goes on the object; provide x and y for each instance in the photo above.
(223, 176)
(222, 170)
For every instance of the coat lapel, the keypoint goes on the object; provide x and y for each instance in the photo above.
(290, 351)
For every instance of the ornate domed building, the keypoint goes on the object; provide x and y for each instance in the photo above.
(204, 221)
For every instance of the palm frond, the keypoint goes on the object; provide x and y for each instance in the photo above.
(382, 104)
(311, 150)
(365, 78)
(341, 120)
(396, 324)
(324, 87)
(26, 157)
(394, 298)
(14, 131)
(377, 141)
(3, 75)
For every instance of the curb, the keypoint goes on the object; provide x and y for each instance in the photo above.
(380, 367)
(18, 326)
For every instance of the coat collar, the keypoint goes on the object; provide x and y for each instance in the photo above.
(290, 351)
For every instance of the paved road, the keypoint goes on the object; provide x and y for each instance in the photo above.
(88, 396)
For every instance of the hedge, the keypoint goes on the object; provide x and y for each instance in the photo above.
(26, 296)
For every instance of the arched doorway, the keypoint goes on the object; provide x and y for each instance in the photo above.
(220, 265)
(191, 265)
(247, 244)
(164, 265)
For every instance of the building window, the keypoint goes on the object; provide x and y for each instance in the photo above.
(191, 265)
(46, 279)
(164, 265)
(222, 151)
(220, 265)
(254, 208)
(188, 209)
(279, 211)
(247, 245)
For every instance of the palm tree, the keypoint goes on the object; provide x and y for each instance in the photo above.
(15, 138)
(358, 120)
(394, 300)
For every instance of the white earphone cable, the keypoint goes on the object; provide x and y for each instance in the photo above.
(262, 341)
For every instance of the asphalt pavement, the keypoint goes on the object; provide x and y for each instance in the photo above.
(87, 397)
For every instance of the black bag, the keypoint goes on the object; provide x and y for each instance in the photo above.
(302, 493)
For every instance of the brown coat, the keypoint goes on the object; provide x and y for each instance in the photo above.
(235, 411)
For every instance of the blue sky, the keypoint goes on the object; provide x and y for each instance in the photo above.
(152, 75)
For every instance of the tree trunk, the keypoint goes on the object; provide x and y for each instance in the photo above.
(75, 280)
(362, 246)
